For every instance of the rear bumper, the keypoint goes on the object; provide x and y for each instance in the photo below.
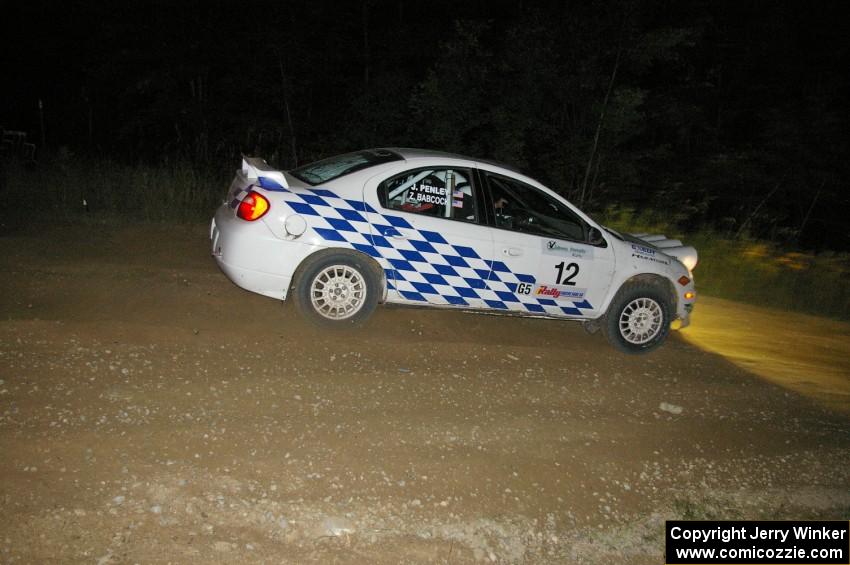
(267, 284)
(252, 256)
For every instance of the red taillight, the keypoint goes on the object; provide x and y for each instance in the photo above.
(253, 207)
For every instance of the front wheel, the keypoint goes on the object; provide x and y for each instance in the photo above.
(336, 291)
(638, 319)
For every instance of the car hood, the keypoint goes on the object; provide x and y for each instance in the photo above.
(686, 254)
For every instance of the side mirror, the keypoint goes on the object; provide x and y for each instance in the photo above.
(594, 236)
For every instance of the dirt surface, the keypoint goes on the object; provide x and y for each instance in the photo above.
(802, 353)
(151, 411)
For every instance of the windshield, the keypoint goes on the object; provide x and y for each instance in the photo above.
(334, 167)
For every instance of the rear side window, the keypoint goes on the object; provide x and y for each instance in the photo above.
(334, 167)
(439, 192)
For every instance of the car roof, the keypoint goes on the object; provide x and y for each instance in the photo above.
(414, 153)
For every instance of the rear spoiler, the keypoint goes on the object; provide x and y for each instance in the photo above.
(267, 177)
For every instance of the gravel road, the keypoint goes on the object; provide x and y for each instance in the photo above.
(152, 412)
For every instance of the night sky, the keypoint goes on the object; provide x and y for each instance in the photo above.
(736, 112)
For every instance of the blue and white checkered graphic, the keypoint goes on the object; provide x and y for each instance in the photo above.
(423, 267)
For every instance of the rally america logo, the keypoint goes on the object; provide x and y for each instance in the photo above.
(560, 293)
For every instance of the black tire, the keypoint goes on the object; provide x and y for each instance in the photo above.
(638, 319)
(336, 290)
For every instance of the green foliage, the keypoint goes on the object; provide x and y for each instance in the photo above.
(736, 113)
(536, 97)
(663, 46)
(71, 190)
(765, 274)
(450, 105)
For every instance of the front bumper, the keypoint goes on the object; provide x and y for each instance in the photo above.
(685, 306)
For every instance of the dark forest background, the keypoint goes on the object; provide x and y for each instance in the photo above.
(729, 116)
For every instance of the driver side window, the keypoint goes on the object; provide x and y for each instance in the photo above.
(523, 208)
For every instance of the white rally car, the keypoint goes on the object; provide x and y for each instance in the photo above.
(418, 227)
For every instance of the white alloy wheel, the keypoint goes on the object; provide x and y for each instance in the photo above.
(640, 321)
(338, 292)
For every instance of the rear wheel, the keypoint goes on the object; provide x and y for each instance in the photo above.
(638, 319)
(337, 290)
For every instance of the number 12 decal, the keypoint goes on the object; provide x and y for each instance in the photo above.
(566, 274)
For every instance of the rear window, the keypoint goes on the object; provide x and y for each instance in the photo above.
(334, 167)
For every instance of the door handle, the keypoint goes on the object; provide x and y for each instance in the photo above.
(512, 251)
(391, 232)
(398, 234)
